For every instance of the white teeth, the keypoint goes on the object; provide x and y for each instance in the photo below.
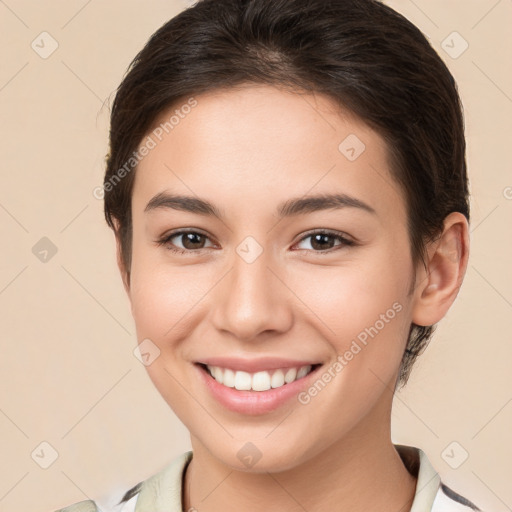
(218, 374)
(229, 378)
(291, 375)
(277, 379)
(259, 381)
(303, 371)
(242, 381)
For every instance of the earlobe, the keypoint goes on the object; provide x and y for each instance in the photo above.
(447, 261)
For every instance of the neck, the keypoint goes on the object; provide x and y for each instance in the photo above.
(360, 472)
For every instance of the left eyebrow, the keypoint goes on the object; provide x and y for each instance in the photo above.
(291, 207)
(321, 202)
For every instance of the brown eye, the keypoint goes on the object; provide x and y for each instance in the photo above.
(190, 241)
(323, 241)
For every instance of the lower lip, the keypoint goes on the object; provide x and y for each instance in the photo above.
(254, 402)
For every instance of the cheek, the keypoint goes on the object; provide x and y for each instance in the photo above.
(162, 306)
(362, 309)
(161, 298)
(355, 294)
(161, 294)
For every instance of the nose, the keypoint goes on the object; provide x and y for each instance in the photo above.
(252, 300)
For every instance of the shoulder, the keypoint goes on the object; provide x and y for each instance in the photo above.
(431, 493)
(447, 500)
(163, 489)
(82, 506)
(127, 505)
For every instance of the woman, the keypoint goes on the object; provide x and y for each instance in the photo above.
(287, 187)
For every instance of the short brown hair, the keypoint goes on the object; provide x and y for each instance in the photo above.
(360, 53)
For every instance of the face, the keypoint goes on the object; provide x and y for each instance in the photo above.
(269, 280)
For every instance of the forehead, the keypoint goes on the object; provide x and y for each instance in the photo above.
(256, 145)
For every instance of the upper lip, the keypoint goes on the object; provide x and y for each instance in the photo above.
(255, 364)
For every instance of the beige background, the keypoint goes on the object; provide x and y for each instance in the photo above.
(68, 374)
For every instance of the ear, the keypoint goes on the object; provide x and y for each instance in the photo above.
(125, 274)
(437, 287)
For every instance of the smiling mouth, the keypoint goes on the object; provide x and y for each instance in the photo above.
(257, 381)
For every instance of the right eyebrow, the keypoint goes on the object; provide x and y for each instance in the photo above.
(183, 203)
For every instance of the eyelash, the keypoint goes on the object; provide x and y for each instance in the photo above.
(345, 242)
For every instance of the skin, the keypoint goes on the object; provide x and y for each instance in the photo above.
(246, 150)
